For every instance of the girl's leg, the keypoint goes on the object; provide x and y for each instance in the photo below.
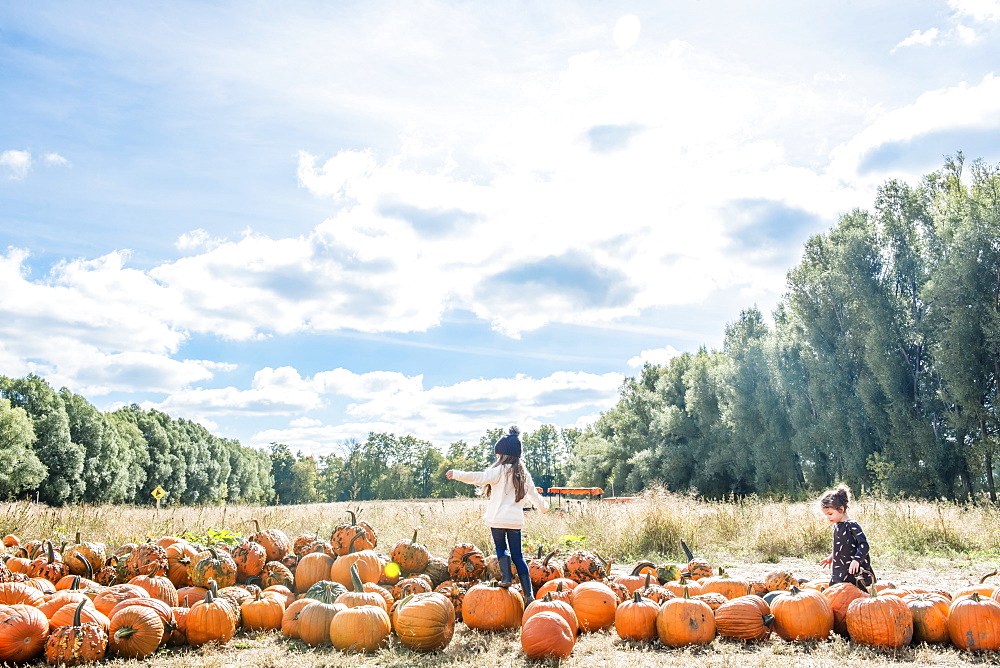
(503, 556)
(517, 557)
(500, 541)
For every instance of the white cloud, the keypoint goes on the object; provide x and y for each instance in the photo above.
(655, 356)
(196, 240)
(966, 35)
(961, 107)
(16, 163)
(392, 402)
(919, 38)
(54, 159)
(980, 10)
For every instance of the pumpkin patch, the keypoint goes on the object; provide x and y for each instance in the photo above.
(420, 599)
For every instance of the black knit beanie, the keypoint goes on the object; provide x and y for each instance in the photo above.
(509, 444)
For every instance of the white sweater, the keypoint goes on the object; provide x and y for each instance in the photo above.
(502, 511)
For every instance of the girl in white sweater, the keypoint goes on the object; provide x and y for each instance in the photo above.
(508, 485)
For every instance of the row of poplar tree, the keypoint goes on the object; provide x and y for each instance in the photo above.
(879, 368)
(57, 448)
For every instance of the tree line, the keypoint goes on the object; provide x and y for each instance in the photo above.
(880, 367)
(58, 448)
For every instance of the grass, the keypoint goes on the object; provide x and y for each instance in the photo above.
(913, 542)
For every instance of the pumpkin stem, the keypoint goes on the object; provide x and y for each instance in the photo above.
(354, 517)
(988, 575)
(636, 596)
(548, 595)
(356, 579)
(350, 547)
(87, 568)
(79, 609)
(76, 583)
(768, 620)
(687, 593)
(51, 551)
(77, 537)
(124, 632)
(687, 551)
(646, 586)
(641, 565)
(256, 524)
(545, 561)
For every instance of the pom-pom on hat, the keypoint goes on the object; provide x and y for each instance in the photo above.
(509, 444)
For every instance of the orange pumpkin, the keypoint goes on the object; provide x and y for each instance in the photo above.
(66, 615)
(930, 617)
(466, 562)
(780, 581)
(136, 632)
(262, 613)
(973, 623)
(315, 620)
(158, 586)
(250, 558)
(290, 618)
(880, 621)
(547, 635)
(697, 568)
(92, 553)
(725, 585)
(365, 628)
(312, 568)
(684, 621)
(23, 630)
(636, 619)
(425, 622)
(275, 542)
(13, 593)
(549, 604)
(639, 577)
(210, 620)
(840, 596)
(541, 570)
(802, 614)
(212, 564)
(179, 556)
(358, 596)
(77, 642)
(594, 604)
(584, 566)
(745, 618)
(410, 555)
(345, 534)
(489, 607)
(165, 612)
(559, 588)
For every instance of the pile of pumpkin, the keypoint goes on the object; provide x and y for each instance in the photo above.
(79, 604)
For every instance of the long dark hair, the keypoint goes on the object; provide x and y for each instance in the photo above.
(518, 473)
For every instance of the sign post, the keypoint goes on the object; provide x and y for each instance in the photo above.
(158, 494)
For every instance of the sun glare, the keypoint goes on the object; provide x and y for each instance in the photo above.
(627, 31)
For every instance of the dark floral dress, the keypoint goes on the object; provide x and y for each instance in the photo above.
(850, 544)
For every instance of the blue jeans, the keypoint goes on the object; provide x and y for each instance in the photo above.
(508, 543)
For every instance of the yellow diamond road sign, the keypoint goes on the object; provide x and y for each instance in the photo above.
(158, 493)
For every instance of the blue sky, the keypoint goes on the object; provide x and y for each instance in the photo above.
(305, 221)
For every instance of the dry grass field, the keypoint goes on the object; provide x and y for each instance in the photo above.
(912, 543)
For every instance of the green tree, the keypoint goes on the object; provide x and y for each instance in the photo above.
(20, 468)
(63, 459)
